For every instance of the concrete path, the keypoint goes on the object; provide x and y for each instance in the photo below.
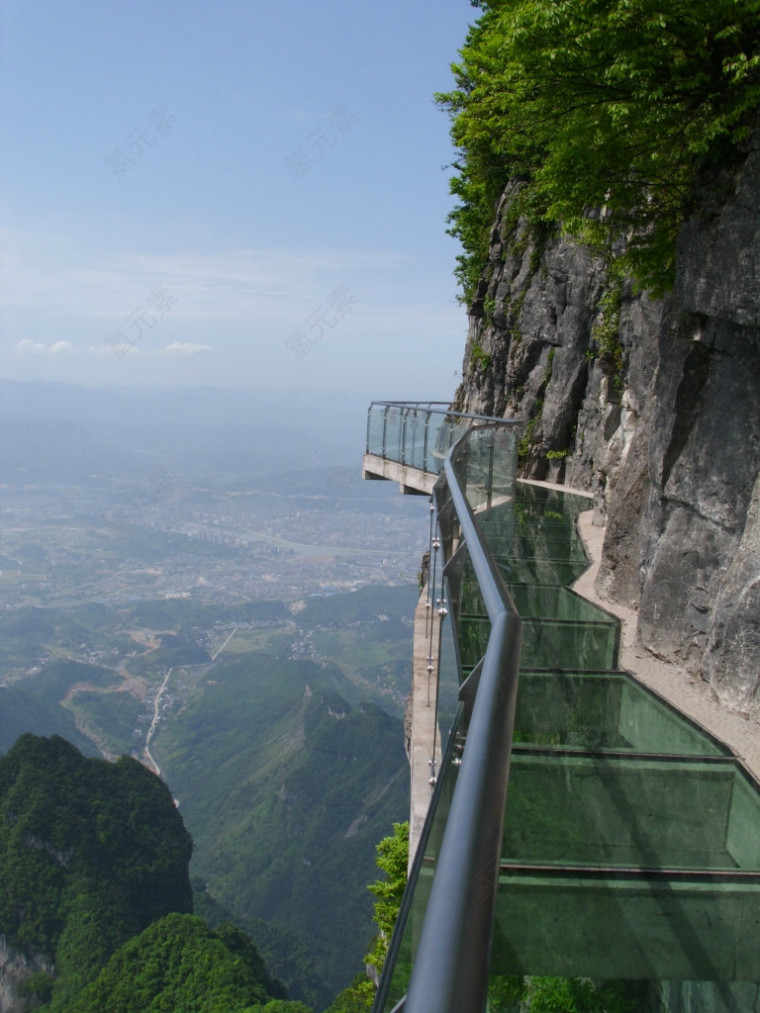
(685, 691)
(424, 739)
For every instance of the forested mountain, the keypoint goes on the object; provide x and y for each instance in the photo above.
(96, 900)
(91, 853)
(286, 790)
(178, 963)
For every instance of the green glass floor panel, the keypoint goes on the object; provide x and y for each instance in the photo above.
(538, 601)
(558, 644)
(518, 570)
(555, 500)
(607, 710)
(554, 644)
(629, 812)
(539, 546)
(628, 927)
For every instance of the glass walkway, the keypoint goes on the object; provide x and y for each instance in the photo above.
(624, 864)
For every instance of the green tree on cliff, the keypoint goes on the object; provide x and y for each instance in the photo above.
(392, 859)
(605, 110)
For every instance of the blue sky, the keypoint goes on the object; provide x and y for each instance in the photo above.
(239, 194)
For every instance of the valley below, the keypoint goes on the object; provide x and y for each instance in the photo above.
(248, 638)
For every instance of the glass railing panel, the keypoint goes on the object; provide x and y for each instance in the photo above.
(420, 436)
(472, 624)
(479, 466)
(375, 430)
(504, 470)
(446, 431)
(470, 597)
(415, 438)
(448, 684)
(415, 903)
(485, 466)
(459, 464)
(394, 433)
(474, 632)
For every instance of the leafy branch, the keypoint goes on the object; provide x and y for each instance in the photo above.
(608, 106)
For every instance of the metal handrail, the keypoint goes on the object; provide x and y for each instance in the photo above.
(450, 970)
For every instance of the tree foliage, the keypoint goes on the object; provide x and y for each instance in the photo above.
(605, 110)
(392, 859)
(179, 963)
(94, 872)
(512, 993)
(90, 853)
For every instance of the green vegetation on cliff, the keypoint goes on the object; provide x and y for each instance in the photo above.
(179, 963)
(599, 104)
(94, 870)
(392, 860)
(90, 854)
(286, 789)
(287, 959)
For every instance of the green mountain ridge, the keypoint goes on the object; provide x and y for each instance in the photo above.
(287, 959)
(286, 822)
(91, 853)
(95, 910)
(179, 963)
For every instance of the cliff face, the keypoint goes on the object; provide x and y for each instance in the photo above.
(654, 407)
(15, 971)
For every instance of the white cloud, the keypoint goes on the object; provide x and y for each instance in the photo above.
(39, 348)
(249, 301)
(186, 349)
(60, 347)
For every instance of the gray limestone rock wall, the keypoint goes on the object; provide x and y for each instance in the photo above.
(15, 970)
(654, 407)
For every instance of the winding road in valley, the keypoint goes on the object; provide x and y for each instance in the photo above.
(154, 723)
